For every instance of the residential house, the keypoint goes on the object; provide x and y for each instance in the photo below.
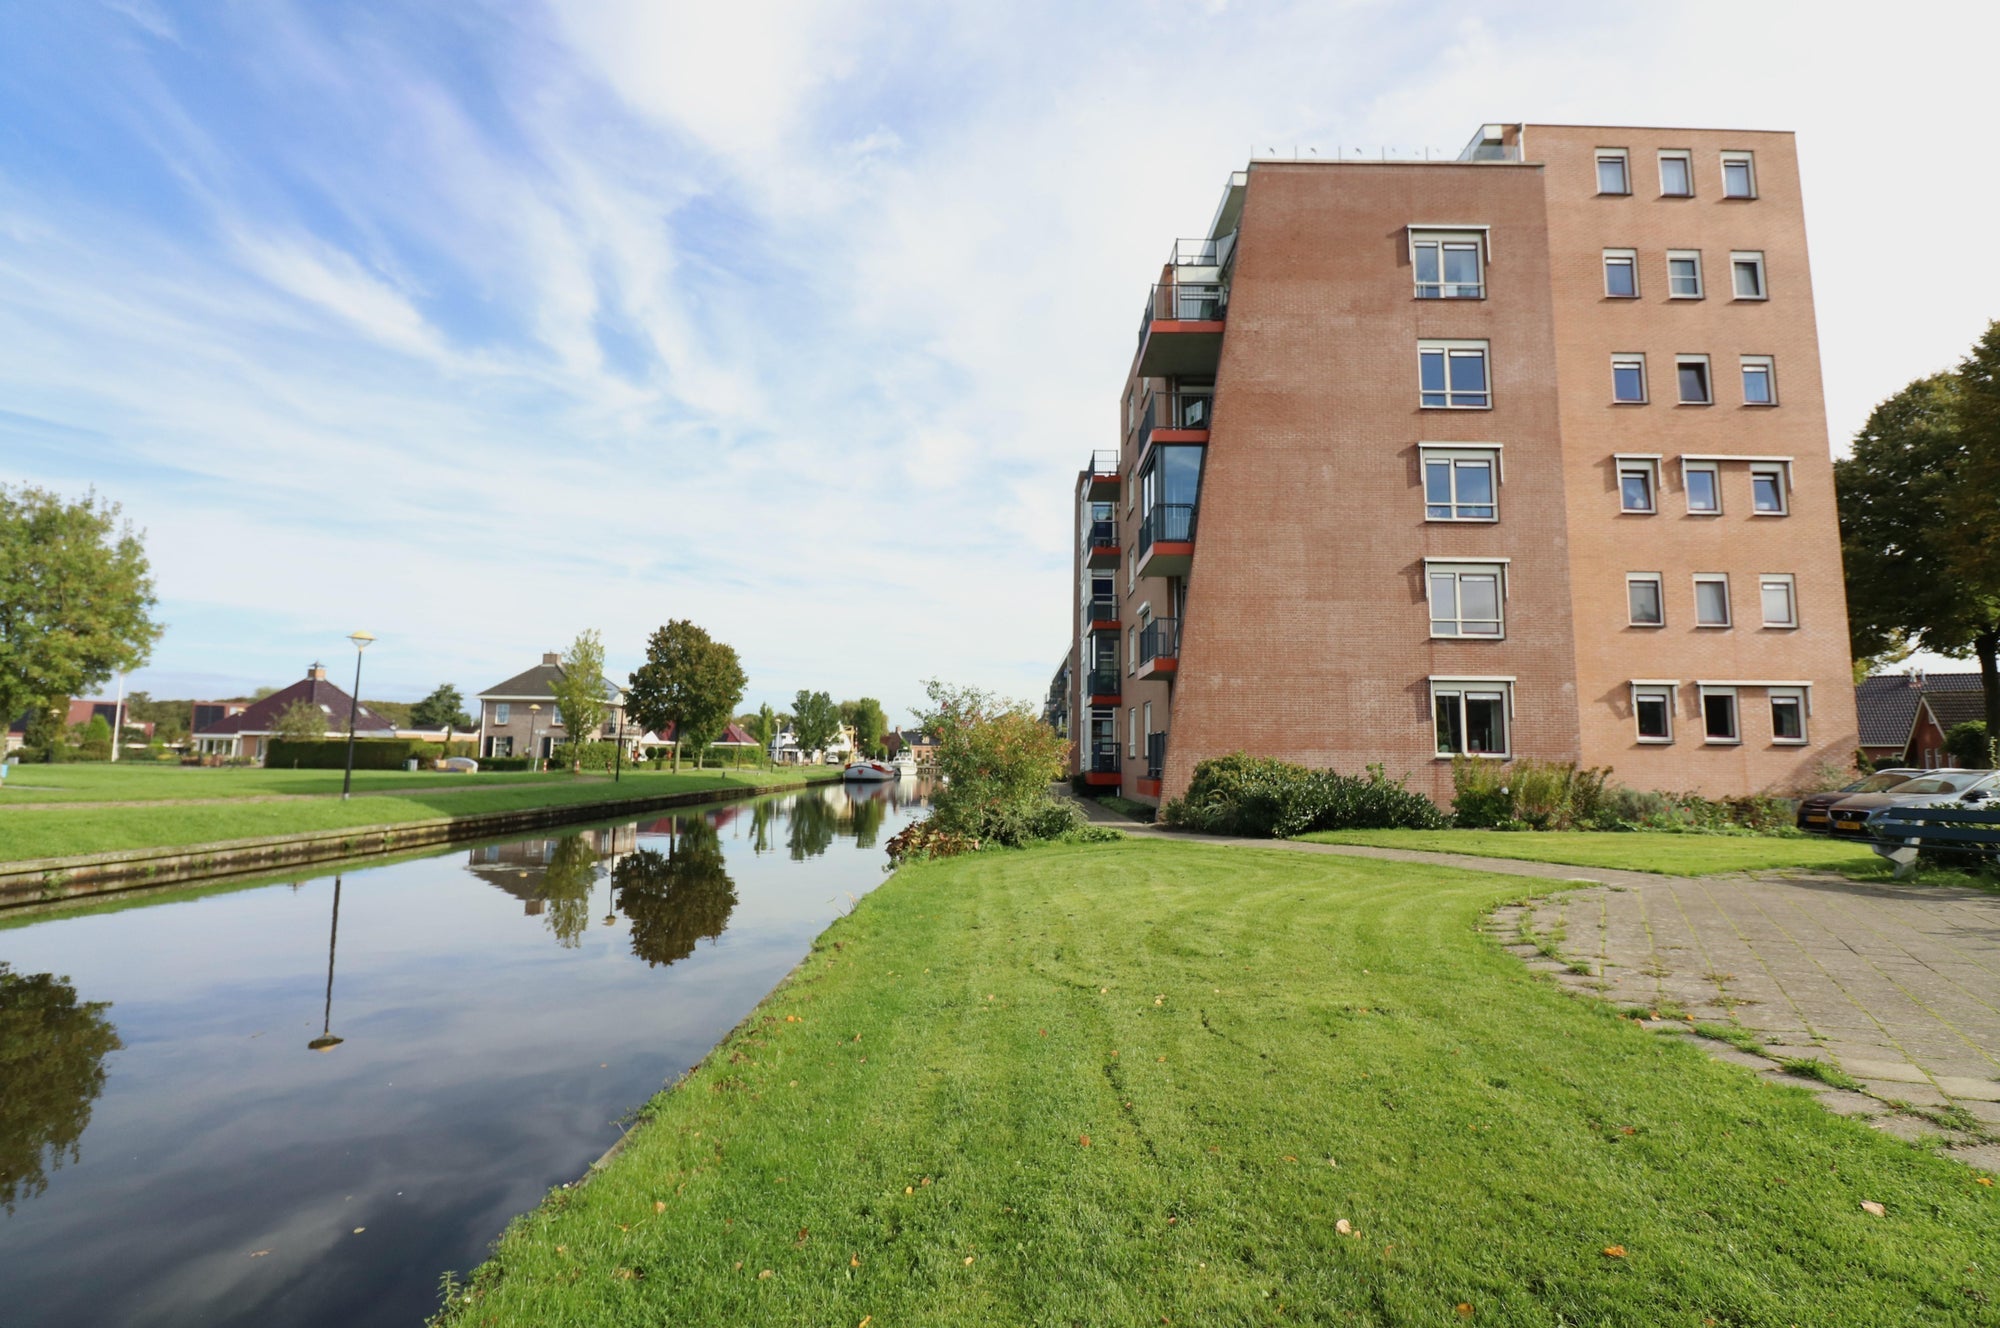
(919, 744)
(247, 733)
(785, 748)
(519, 717)
(1906, 717)
(734, 737)
(81, 712)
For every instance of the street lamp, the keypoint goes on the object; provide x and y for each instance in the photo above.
(534, 720)
(618, 752)
(361, 641)
(326, 1041)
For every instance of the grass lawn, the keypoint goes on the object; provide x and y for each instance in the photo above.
(1147, 1082)
(1674, 855)
(131, 781)
(57, 831)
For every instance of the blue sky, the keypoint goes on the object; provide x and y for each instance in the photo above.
(479, 324)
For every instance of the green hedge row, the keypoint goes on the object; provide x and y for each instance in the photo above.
(369, 753)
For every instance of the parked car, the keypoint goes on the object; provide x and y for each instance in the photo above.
(459, 765)
(1812, 807)
(1849, 816)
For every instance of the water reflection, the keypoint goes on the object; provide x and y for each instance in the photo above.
(326, 1041)
(52, 1051)
(678, 897)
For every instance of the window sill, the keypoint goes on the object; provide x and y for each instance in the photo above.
(1759, 405)
(1616, 402)
(1462, 520)
(1692, 512)
(1477, 756)
(1638, 511)
(1758, 514)
(1686, 299)
(1421, 406)
(1749, 299)
(1703, 404)
(1790, 742)
(1609, 296)
(1655, 742)
(1622, 193)
(1684, 198)
(1739, 198)
(1467, 636)
(1722, 742)
(1781, 627)
(1651, 627)
(1445, 299)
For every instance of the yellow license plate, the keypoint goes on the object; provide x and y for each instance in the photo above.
(1847, 825)
(1815, 816)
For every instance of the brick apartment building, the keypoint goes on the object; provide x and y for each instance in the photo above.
(1522, 454)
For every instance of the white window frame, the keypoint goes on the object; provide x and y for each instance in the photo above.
(1131, 650)
(1686, 159)
(1666, 690)
(1802, 698)
(1714, 468)
(1766, 365)
(1147, 725)
(1684, 255)
(1458, 687)
(1629, 359)
(1624, 158)
(1450, 350)
(1629, 260)
(1443, 237)
(1459, 569)
(1452, 454)
(502, 712)
(1629, 462)
(1735, 739)
(1707, 379)
(1766, 581)
(1728, 609)
(1753, 259)
(1658, 582)
(1748, 160)
(1779, 474)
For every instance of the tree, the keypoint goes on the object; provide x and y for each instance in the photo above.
(52, 1050)
(870, 723)
(676, 898)
(94, 739)
(1967, 745)
(301, 721)
(1904, 531)
(444, 708)
(579, 691)
(815, 721)
(566, 885)
(998, 760)
(45, 728)
(764, 727)
(76, 597)
(1974, 502)
(690, 681)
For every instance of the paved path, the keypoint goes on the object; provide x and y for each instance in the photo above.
(1897, 985)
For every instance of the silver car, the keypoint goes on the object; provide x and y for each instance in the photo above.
(1942, 788)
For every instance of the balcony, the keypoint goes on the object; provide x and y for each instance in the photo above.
(1100, 764)
(1101, 480)
(1174, 417)
(1159, 648)
(1148, 785)
(1166, 540)
(1181, 330)
(1100, 543)
(1100, 614)
(1101, 686)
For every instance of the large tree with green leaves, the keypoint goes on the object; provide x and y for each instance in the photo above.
(870, 723)
(444, 708)
(689, 680)
(1905, 533)
(301, 721)
(815, 721)
(1975, 508)
(579, 692)
(764, 727)
(76, 597)
(52, 1050)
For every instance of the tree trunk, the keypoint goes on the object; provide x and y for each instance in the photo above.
(677, 756)
(1987, 646)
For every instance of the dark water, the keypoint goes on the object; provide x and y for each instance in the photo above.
(181, 1144)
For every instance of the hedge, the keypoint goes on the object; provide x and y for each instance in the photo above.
(331, 753)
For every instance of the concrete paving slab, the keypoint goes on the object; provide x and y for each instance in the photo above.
(1978, 1090)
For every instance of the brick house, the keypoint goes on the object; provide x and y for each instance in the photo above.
(1906, 717)
(518, 717)
(247, 732)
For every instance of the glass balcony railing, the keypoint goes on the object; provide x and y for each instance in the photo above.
(1102, 759)
(1175, 410)
(1100, 534)
(1101, 608)
(1156, 755)
(1167, 523)
(1102, 682)
(1160, 639)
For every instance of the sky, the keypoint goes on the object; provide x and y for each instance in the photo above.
(478, 325)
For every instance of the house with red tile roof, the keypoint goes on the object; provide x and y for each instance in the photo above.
(247, 733)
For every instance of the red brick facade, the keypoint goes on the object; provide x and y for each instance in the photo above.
(1306, 604)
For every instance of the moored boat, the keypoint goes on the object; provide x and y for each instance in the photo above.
(868, 772)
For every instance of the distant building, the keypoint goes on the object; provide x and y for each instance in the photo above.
(80, 713)
(510, 724)
(247, 733)
(203, 713)
(1905, 718)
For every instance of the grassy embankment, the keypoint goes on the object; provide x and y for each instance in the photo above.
(1669, 854)
(1177, 1083)
(58, 831)
(129, 781)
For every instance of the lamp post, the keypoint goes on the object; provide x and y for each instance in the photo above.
(326, 1041)
(618, 752)
(534, 720)
(361, 641)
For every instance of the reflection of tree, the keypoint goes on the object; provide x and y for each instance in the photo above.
(762, 813)
(868, 814)
(678, 897)
(51, 1069)
(566, 884)
(811, 827)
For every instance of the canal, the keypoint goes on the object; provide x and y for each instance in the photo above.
(301, 1103)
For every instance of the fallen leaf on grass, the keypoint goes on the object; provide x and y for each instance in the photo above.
(761, 1276)
(659, 1205)
(1344, 1227)
(1614, 1251)
(855, 1262)
(359, 1230)
(968, 1260)
(258, 1254)
(627, 1274)
(1984, 1180)
(1626, 1129)
(805, 1234)
(1084, 1140)
(1464, 1310)
(1873, 1209)
(866, 1320)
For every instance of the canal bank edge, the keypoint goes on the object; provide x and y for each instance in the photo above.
(47, 880)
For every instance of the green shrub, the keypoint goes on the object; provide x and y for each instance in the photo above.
(331, 753)
(1967, 745)
(998, 760)
(594, 755)
(1269, 798)
(1528, 794)
(498, 763)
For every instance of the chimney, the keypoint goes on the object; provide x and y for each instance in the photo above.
(551, 657)
(317, 672)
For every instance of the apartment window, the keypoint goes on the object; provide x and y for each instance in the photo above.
(1684, 274)
(1711, 599)
(1653, 711)
(1718, 715)
(1739, 175)
(502, 712)
(1638, 481)
(1692, 373)
(1132, 733)
(1621, 274)
(1703, 481)
(1788, 714)
(1452, 374)
(1612, 175)
(1676, 175)
(1471, 716)
(1628, 379)
(1448, 264)
(1781, 607)
(1466, 598)
(1645, 606)
(1767, 490)
(1747, 272)
(1760, 384)
(1146, 727)
(1131, 650)
(1460, 484)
